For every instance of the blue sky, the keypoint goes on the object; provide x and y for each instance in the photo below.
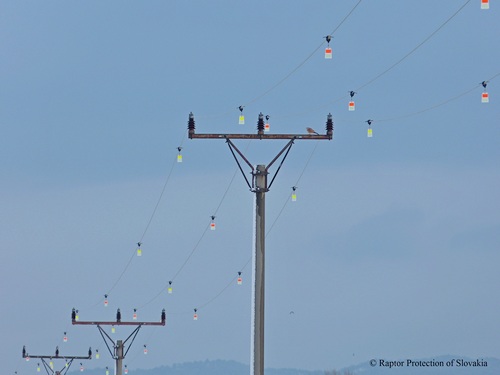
(391, 250)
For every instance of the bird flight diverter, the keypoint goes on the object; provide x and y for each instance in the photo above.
(105, 300)
(51, 364)
(134, 316)
(294, 193)
(351, 105)
(179, 156)
(195, 315)
(485, 97)
(242, 117)
(65, 338)
(145, 350)
(81, 367)
(370, 132)
(267, 127)
(38, 367)
(239, 280)
(169, 290)
(139, 250)
(113, 329)
(27, 358)
(107, 371)
(485, 4)
(328, 52)
(212, 223)
(97, 355)
(328, 49)
(126, 369)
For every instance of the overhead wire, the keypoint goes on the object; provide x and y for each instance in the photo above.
(301, 64)
(199, 240)
(167, 180)
(440, 104)
(415, 48)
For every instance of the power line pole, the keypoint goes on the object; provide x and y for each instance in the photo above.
(119, 352)
(259, 185)
(49, 367)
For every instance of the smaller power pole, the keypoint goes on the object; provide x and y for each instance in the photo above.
(49, 367)
(119, 352)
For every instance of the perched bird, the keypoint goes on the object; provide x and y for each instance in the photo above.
(312, 131)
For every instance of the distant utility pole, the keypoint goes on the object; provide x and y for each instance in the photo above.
(118, 353)
(49, 367)
(260, 186)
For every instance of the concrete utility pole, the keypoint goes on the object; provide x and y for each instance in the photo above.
(259, 185)
(118, 353)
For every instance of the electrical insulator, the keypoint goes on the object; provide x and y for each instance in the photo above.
(294, 193)
(239, 280)
(134, 316)
(179, 156)
(195, 316)
(145, 350)
(126, 369)
(267, 127)
(169, 290)
(242, 117)
(139, 250)
(65, 338)
(191, 125)
(485, 4)
(329, 125)
(105, 300)
(212, 223)
(260, 124)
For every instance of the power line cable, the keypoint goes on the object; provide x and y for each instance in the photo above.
(415, 48)
(301, 64)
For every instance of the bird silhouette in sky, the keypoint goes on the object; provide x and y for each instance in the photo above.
(312, 131)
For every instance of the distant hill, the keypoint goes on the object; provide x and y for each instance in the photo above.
(221, 367)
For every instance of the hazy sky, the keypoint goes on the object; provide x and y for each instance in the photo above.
(391, 249)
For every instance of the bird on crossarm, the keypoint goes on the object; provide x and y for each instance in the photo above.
(312, 131)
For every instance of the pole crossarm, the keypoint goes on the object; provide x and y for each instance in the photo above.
(118, 321)
(89, 323)
(312, 135)
(67, 357)
(56, 355)
(260, 136)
